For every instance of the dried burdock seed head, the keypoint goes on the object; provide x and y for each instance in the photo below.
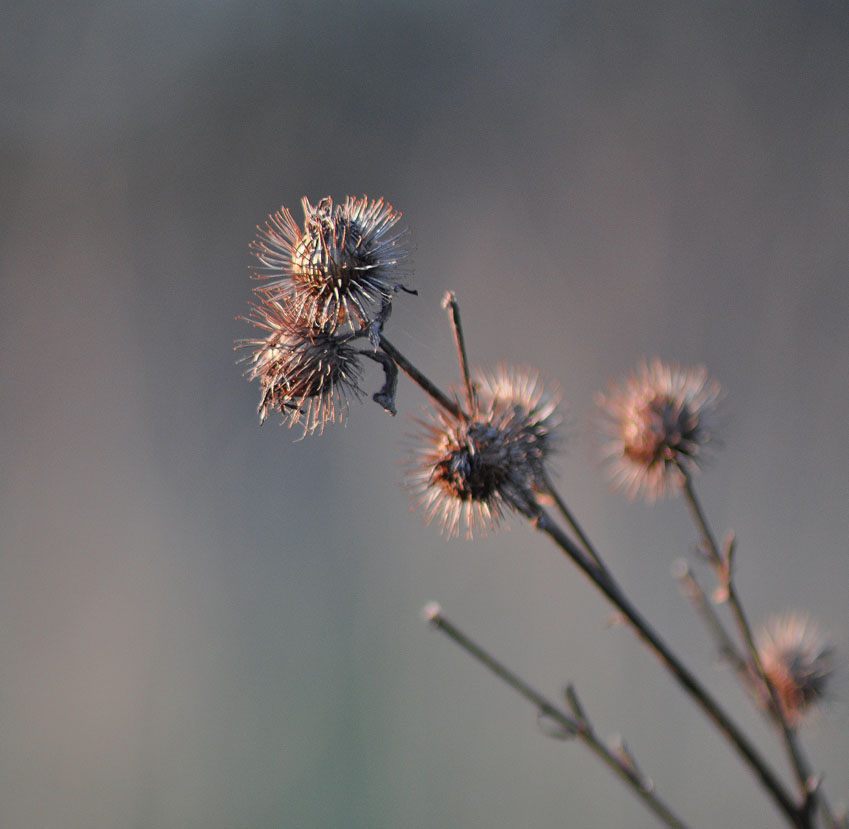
(799, 661)
(308, 373)
(517, 395)
(462, 470)
(345, 265)
(474, 470)
(658, 423)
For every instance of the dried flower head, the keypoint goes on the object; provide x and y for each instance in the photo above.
(475, 469)
(307, 372)
(518, 392)
(799, 661)
(344, 266)
(658, 424)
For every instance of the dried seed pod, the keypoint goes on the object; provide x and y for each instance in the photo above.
(798, 660)
(519, 393)
(475, 469)
(308, 373)
(345, 265)
(660, 420)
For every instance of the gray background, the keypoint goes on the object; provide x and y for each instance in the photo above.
(206, 624)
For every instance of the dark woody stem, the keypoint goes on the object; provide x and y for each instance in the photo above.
(450, 302)
(577, 726)
(567, 514)
(420, 380)
(799, 818)
(722, 565)
(727, 650)
(605, 583)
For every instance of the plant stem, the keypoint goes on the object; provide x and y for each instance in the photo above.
(685, 678)
(450, 302)
(417, 377)
(692, 590)
(582, 537)
(798, 761)
(799, 818)
(579, 726)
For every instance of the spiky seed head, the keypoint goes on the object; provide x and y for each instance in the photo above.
(308, 373)
(518, 394)
(459, 473)
(345, 265)
(473, 471)
(661, 419)
(799, 661)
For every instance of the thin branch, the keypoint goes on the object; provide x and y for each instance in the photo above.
(722, 565)
(449, 302)
(420, 380)
(692, 590)
(621, 762)
(684, 677)
(605, 582)
(568, 515)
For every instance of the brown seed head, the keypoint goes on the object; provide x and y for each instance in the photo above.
(799, 661)
(477, 469)
(660, 420)
(344, 266)
(517, 395)
(308, 373)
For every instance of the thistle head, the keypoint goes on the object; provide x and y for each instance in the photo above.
(474, 469)
(344, 265)
(518, 395)
(798, 660)
(307, 372)
(658, 425)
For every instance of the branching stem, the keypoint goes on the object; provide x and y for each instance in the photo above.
(683, 676)
(570, 519)
(722, 565)
(800, 818)
(693, 591)
(419, 379)
(577, 726)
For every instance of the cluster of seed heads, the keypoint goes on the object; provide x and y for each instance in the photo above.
(325, 295)
(328, 286)
(324, 287)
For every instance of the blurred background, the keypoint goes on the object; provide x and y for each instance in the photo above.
(205, 623)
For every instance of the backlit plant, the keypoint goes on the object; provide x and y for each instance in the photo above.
(481, 454)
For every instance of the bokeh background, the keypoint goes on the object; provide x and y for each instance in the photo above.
(204, 623)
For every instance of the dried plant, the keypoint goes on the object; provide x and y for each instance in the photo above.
(481, 453)
(346, 264)
(659, 422)
(798, 660)
(307, 371)
(481, 465)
